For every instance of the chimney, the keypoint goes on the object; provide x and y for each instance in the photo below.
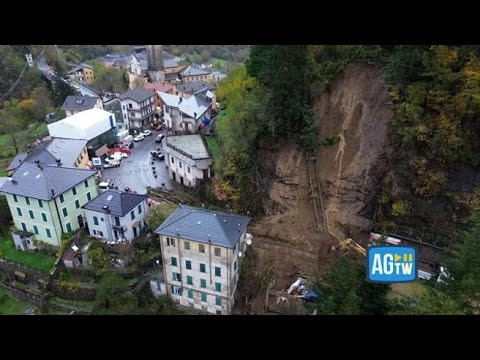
(53, 192)
(181, 99)
(195, 114)
(127, 189)
(105, 207)
(59, 163)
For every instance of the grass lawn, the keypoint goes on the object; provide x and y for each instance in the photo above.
(221, 62)
(10, 306)
(3, 172)
(7, 151)
(213, 146)
(35, 260)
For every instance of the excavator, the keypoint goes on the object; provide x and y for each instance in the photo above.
(350, 243)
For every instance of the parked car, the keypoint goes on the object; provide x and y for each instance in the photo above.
(111, 164)
(146, 132)
(113, 158)
(159, 138)
(122, 155)
(139, 137)
(105, 185)
(157, 155)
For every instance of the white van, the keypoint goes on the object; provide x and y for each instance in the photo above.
(128, 141)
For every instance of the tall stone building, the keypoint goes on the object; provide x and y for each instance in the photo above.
(156, 70)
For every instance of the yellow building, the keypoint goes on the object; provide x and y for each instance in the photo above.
(82, 73)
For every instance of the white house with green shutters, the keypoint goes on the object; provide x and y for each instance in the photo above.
(46, 200)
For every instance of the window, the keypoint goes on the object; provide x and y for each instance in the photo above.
(186, 245)
(49, 234)
(44, 217)
(74, 190)
(204, 297)
(40, 203)
(117, 221)
(218, 287)
(188, 169)
(86, 184)
(123, 107)
(61, 198)
(174, 261)
(19, 212)
(173, 160)
(203, 283)
(95, 220)
(217, 252)
(102, 219)
(190, 294)
(35, 229)
(89, 197)
(24, 227)
(218, 271)
(15, 198)
(130, 106)
(189, 280)
(235, 265)
(202, 268)
(188, 264)
(201, 248)
(77, 204)
(180, 164)
(218, 301)
(97, 232)
(176, 276)
(65, 212)
(170, 242)
(27, 200)
(176, 290)
(69, 227)
(132, 214)
(31, 214)
(139, 208)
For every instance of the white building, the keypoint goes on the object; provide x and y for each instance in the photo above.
(138, 108)
(116, 216)
(74, 104)
(85, 125)
(187, 159)
(201, 250)
(186, 114)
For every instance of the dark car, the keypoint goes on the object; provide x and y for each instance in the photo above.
(159, 138)
(157, 155)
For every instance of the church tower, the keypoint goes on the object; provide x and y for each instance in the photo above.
(155, 64)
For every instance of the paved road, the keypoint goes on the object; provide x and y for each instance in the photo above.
(135, 171)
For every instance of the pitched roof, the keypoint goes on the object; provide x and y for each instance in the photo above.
(158, 86)
(198, 224)
(17, 161)
(191, 71)
(194, 106)
(67, 150)
(79, 103)
(38, 182)
(171, 76)
(170, 63)
(194, 87)
(80, 67)
(138, 94)
(119, 203)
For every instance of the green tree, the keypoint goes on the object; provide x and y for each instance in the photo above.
(344, 290)
(43, 96)
(61, 90)
(5, 215)
(431, 302)
(109, 79)
(158, 214)
(101, 262)
(11, 122)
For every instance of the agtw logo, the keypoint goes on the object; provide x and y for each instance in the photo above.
(390, 264)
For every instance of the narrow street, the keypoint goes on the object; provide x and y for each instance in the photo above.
(136, 173)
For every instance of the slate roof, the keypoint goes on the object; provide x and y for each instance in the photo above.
(171, 76)
(38, 181)
(170, 63)
(189, 144)
(191, 71)
(67, 150)
(138, 94)
(17, 161)
(194, 87)
(79, 103)
(195, 104)
(119, 203)
(197, 224)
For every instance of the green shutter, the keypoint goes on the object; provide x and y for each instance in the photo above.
(204, 297)
(189, 280)
(40, 203)
(139, 208)
(19, 212)
(77, 204)
(89, 197)
(174, 261)
(15, 198)
(69, 227)
(218, 287)
(74, 191)
(190, 294)
(218, 271)
(188, 264)
(35, 229)
(218, 300)
(95, 220)
(31, 214)
(203, 283)
(61, 198)
(27, 200)
(65, 212)
(49, 234)
(44, 217)
(132, 214)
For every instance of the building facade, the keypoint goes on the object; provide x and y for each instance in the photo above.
(138, 108)
(74, 104)
(187, 159)
(82, 73)
(116, 216)
(201, 250)
(47, 200)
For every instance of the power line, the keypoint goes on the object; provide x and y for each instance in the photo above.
(15, 84)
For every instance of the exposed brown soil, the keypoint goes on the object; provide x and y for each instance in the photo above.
(287, 240)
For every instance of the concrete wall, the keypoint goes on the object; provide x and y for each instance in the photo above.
(53, 221)
(106, 223)
(181, 169)
(228, 278)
